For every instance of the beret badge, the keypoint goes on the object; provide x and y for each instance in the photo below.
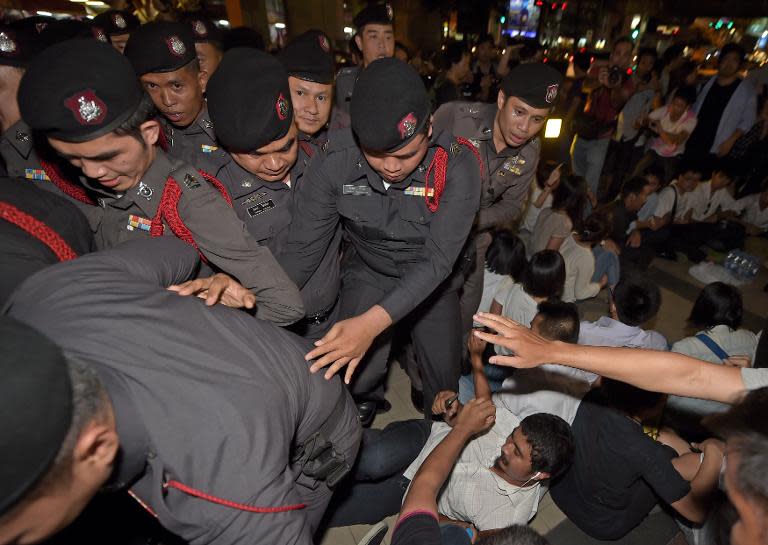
(7, 44)
(87, 108)
(390, 13)
(551, 93)
(99, 34)
(119, 21)
(324, 45)
(407, 126)
(176, 46)
(281, 106)
(199, 28)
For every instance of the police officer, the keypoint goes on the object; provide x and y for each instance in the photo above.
(207, 417)
(249, 100)
(208, 45)
(163, 56)
(308, 59)
(85, 98)
(406, 202)
(117, 25)
(376, 39)
(504, 134)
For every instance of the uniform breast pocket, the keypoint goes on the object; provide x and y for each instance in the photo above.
(359, 208)
(414, 219)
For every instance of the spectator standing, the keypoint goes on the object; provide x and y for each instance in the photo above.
(749, 157)
(449, 85)
(726, 109)
(485, 75)
(573, 99)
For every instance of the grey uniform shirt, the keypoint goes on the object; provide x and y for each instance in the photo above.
(18, 152)
(507, 175)
(206, 396)
(391, 231)
(219, 234)
(196, 144)
(345, 84)
(268, 208)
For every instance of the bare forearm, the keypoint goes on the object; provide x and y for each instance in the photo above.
(482, 388)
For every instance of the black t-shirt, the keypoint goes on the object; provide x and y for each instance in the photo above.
(620, 219)
(618, 473)
(417, 529)
(717, 99)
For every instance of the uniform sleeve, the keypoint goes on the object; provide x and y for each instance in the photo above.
(314, 223)
(448, 233)
(442, 120)
(224, 240)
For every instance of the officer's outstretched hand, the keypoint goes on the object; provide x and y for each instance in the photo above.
(347, 342)
(528, 348)
(219, 288)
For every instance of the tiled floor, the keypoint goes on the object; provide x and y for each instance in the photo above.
(678, 289)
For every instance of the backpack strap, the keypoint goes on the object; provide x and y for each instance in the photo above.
(712, 345)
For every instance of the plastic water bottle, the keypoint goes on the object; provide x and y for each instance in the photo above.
(742, 265)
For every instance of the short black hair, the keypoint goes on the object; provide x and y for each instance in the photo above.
(672, 52)
(595, 227)
(544, 276)
(628, 399)
(637, 300)
(506, 254)
(633, 186)
(543, 171)
(453, 54)
(146, 111)
(623, 40)
(717, 304)
(686, 93)
(656, 170)
(551, 441)
(688, 165)
(727, 168)
(514, 535)
(647, 52)
(559, 321)
(570, 196)
(733, 47)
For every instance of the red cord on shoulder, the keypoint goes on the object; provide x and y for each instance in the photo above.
(64, 185)
(37, 229)
(439, 165)
(227, 503)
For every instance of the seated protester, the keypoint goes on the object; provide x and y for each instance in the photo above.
(182, 413)
(497, 481)
(540, 197)
(552, 389)
(456, 69)
(713, 209)
(583, 278)
(635, 301)
(208, 42)
(654, 175)
(621, 213)
(37, 228)
(163, 56)
(84, 97)
(619, 473)
(554, 224)
(717, 313)
(754, 213)
(117, 25)
(267, 175)
(542, 279)
(504, 259)
(419, 516)
(672, 125)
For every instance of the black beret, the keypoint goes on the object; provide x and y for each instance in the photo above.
(389, 106)
(36, 398)
(78, 90)
(536, 84)
(242, 36)
(36, 23)
(61, 30)
(115, 22)
(378, 14)
(309, 57)
(160, 47)
(249, 100)
(17, 45)
(203, 29)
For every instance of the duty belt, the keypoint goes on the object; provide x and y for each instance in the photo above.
(319, 317)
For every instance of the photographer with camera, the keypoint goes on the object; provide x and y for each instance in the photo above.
(609, 88)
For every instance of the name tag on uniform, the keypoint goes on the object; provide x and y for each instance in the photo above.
(418, 191)
(137, 222)
(36, 174)
(260, 208)
(352, 189)
(254, 198)
(205, 148)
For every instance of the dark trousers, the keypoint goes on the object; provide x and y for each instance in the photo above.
(435, 331)
(376, 487)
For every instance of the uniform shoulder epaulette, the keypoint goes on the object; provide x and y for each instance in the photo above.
(340, 139)
(347, 71)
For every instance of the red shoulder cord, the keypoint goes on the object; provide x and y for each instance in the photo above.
(168, 210)
(38, 230)
(439, 165)
(66, 187)
(307, 147)
(227, 503)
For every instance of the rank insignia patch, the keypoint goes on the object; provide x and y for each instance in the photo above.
(418, 192)
(190, 182)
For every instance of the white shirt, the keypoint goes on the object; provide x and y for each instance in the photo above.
(666, 201)
(686, 123)
(516, 305)
(751, 212)
(531, 212)
(491, 283)
(579, 269)
(705, 203)
(473, 493)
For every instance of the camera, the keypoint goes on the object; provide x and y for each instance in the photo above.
(615, 76)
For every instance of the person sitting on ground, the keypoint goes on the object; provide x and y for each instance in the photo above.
(754, 212)
(654, 174)
(619, 473)
(717, 314)
(540, 197)
(672, 125)
(671, 210)
(583, 278)
(504, 259)
(622, 212)
(554, 224)
(543, 278)
(635, 301)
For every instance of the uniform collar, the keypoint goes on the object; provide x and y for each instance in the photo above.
(19, 135)
(242, 182)
(134, 441)
(201, 125)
